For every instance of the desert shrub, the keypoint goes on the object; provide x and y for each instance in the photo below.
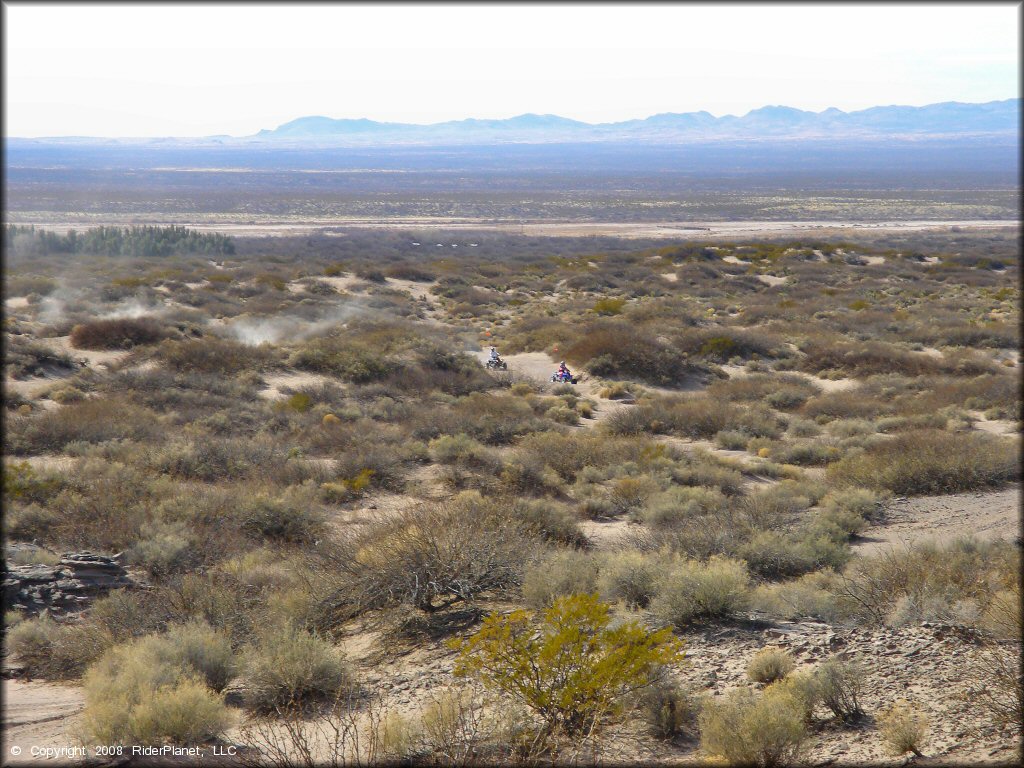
(787, 398)
(927, 582)
(608, 306)
(212, 459)
(292, 669)
(839, 685)
(769, 665)
(680, 504)
(197, 648)
(548, 520)
(864, 358)
(123, 333)
(166, 549)
(777, 555)
(903, 729)
(89, 421)
(24, 358)
(668, 708)
(557, 574)
(568, 454)
(583, 668)
(629, 493)
(450, 552)
(744, 728)
(453, 727)
(55, 651)
(615, 349)
(348, 360)
(930, 461)
(723, 344)
(690, 591)
(630, 577)
(803, 689)
(285, 519)
(136, 696)
(846, 405)
(214, 356)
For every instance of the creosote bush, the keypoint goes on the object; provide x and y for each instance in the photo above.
(583, 668)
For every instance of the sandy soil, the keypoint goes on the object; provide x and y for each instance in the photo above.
(94, 357)
(37, 714)
(16, 302)
(30, 387)
(772, 279)
(989, 515)
(672, 277)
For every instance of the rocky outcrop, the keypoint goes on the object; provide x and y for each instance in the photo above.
(67, 587)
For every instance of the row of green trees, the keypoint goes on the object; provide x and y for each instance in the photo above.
(119, 241)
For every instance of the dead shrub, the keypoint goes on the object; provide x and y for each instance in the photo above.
(123, 333)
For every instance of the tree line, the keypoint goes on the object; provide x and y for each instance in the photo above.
(119, 241)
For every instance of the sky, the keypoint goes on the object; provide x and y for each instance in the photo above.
(200, 70)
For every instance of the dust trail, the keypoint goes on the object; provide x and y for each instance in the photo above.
(272, 330)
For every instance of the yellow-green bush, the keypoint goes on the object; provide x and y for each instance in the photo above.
(582, 667)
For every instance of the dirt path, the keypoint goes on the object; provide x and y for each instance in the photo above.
(988, 515)
(37, 714)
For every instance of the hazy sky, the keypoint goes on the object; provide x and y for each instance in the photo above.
(193, 70)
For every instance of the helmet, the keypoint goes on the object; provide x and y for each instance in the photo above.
(562, 363)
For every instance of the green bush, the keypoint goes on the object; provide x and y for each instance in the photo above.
(690, 591)
(582, 668)
(746, 729)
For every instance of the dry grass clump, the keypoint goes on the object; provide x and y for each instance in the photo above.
(930, 461)
(903, 729)
(123, 333)
(149, 690)
(955, 582)
(690, 591)
(769, 665)
(723, 344)
(290, 668)
(744, 728)
(55, 651)
(559, 573)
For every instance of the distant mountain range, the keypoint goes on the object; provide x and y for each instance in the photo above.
(773, 124)
(950, 119)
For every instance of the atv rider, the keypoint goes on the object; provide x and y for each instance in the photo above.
(563, 372)
(495, 358)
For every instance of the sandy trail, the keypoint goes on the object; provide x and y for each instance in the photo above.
(38, 714)
(984, 515)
